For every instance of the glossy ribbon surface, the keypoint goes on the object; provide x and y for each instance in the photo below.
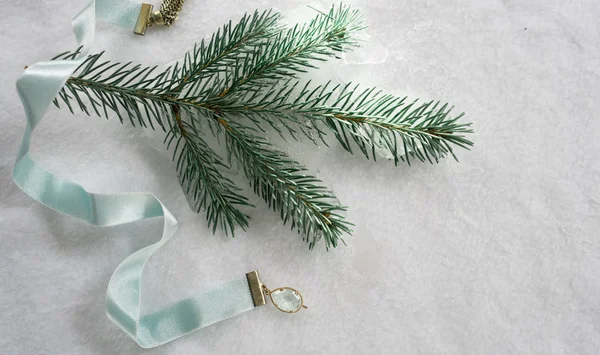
(37, 88)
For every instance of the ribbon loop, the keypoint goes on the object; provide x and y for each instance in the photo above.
(37, 88)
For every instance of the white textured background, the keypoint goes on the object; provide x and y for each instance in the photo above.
(497, 254)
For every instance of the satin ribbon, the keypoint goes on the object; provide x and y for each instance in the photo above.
(37, 88)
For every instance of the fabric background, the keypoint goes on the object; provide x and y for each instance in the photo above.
(497, 254)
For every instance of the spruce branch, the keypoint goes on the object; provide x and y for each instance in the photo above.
(284, 185)
(129, 91)
(372, 120)
(292, 51)
(206, 188)
(225, 47)
(245, 79)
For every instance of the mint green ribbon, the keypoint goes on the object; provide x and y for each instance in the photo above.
(37, 87)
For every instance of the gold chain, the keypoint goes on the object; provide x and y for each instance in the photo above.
(169, 11)
(166, 16)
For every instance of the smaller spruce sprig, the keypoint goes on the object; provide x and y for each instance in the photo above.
(245, 80)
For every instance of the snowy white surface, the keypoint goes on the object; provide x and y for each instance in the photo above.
(497, 254)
